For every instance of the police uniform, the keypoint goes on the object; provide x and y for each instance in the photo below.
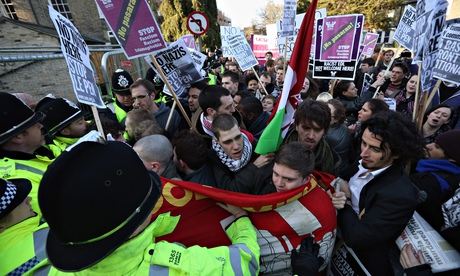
(107, 246)
(16, 117)
(22, 245)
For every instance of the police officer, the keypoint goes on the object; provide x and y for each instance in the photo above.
(22, 154)
(64, 122)
(123, 102)
(114, 204)
(22, 238)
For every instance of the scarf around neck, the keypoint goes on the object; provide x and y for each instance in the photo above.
(232, 164)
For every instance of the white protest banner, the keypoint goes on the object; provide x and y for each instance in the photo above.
(288, 45)
(344, 262)
(289, 16)
(76, 54)
(178, 66)
(198, 58)
(447, 65)
(225, 33)
(133, 25)
(391, 103)
(272, 40)
(405, 32)
(437, 252)
(241, 50)
(430, 21)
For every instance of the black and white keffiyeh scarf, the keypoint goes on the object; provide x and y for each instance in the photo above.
(232, 164)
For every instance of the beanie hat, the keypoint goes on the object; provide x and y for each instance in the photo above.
(59, 113)
(121, 81)
(448, 141)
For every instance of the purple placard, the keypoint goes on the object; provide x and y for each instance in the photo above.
(332, 69)
(133, 25)
(189, 40)
(369, 44)
(339, 35)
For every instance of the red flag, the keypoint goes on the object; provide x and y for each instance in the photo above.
(306, 210)
(276, 130)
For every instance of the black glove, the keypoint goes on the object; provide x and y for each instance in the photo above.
(305, 261)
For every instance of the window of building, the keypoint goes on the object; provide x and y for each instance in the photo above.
(62, 7)
(8, 10)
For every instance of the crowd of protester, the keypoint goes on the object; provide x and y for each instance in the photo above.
(386, 168)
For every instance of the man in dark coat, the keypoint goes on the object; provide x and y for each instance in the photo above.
(380, 199)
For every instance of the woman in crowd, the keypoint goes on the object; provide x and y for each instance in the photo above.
(436, 122)
(268, 102)
(346, 93)
(406, 98)
(310, 88)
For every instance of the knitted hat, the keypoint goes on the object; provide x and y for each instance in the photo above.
(449, 141)
(121, 81)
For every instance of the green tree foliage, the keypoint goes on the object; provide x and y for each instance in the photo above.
(174, 20)
(302, 6)
(375, 11)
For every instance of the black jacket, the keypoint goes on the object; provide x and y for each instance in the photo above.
(388, 202)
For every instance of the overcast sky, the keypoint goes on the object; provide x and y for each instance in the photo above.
(242, 12)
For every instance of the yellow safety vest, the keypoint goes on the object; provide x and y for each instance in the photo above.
(22, 247)
(32, 170)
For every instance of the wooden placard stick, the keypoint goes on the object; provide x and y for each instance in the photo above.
(432, 93)
(417, 93)
(260, 82)
(97, 120)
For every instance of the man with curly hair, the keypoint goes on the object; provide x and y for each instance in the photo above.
(376, 205)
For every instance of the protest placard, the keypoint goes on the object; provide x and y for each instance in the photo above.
(344, 262)
(272, 39)
(435, 249)
(225, 33)
(178, 66)
(288, 21)
(370, 40)
(405, 32)
(133, 25)
(198, 58)
(259, 45)
(76, 54)
(447, 65)
(288, 44)
(241, 50)
(340, 35)
(189, 41)
(337, 45)
(430, 21)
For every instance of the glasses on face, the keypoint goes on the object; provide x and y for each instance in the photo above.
(140, 97)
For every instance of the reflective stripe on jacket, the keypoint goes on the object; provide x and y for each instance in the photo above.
(142, 256)
(32, 170)
(22, 247)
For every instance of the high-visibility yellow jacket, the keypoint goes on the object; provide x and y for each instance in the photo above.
(142, 256)
(60, 144)
(22, 247)
(31, 169)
